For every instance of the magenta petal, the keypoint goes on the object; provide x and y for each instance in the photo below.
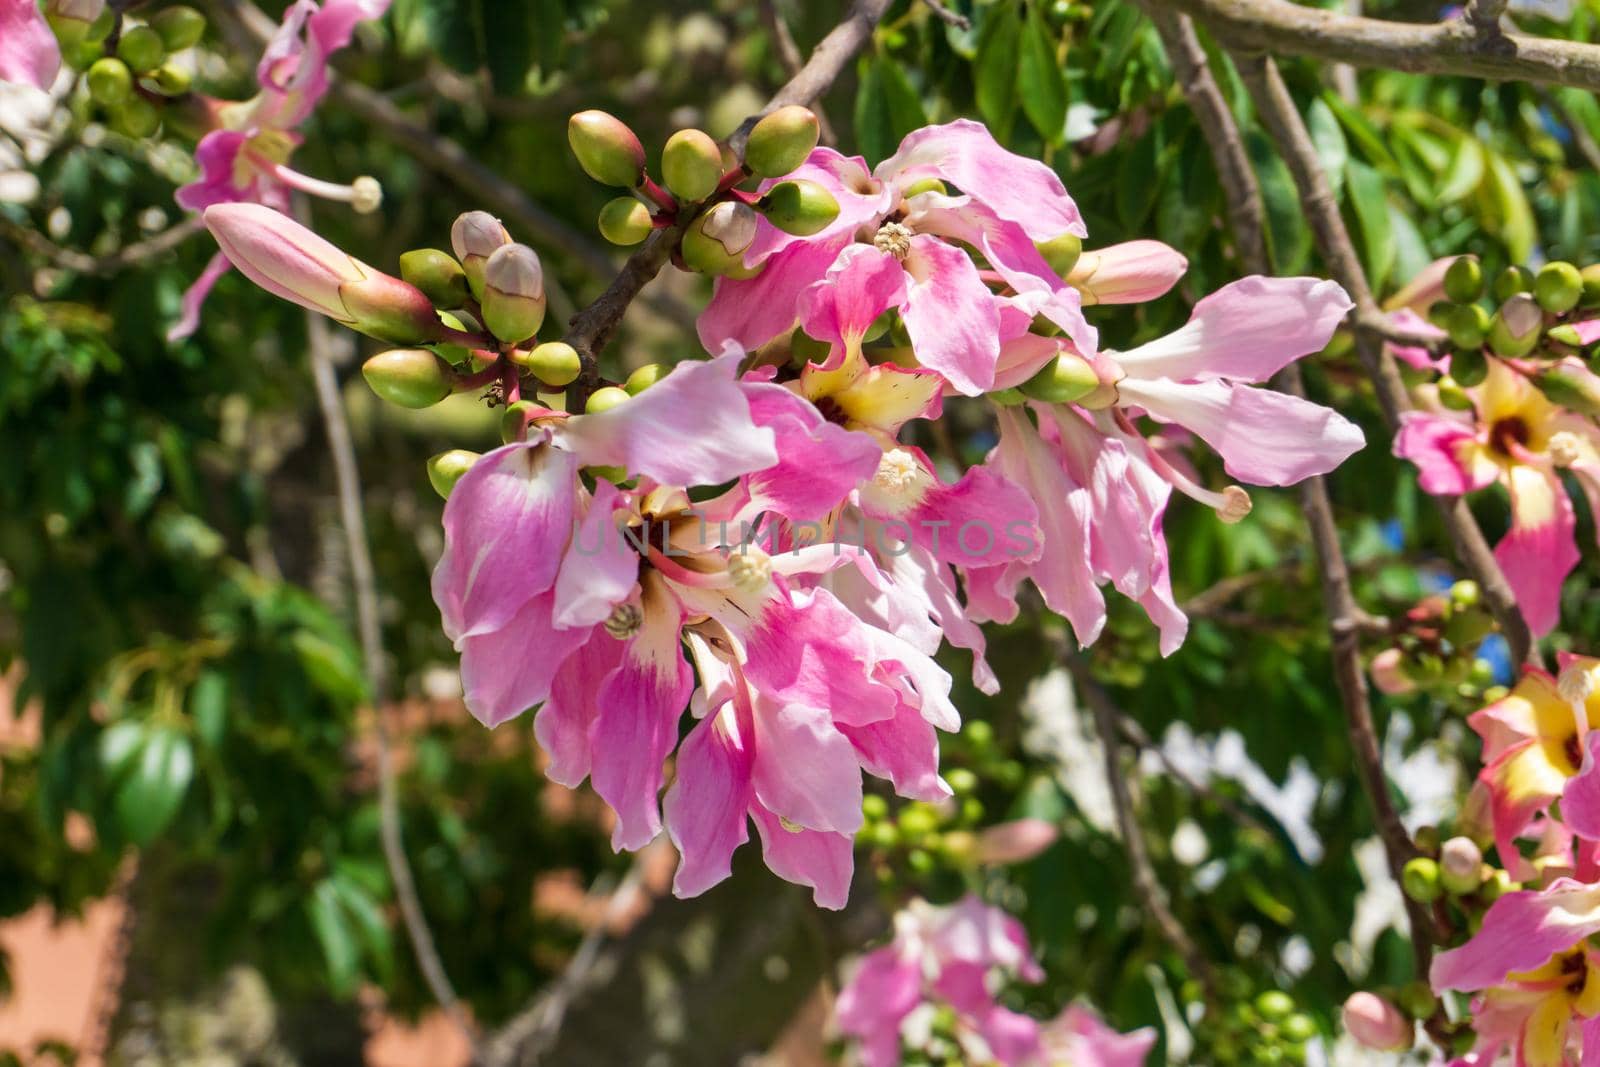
(965, 154)
(861, 284)
(805, 769)
(819, 462)
(982, 520)
(707, 806)
(505, 672)
(194, 297)
(1520, 932)
(1580, 801)
(563, 724)
(881, 992)
(816, 858)
(808, 649)
(600, 567)
(753, 311)
(951, 316)
(29, 54)
(1011, 1036)
(217, 155)
(1264, 437)
(1248, 330)
(1436, 444)
(1540, 549)
(505, 526)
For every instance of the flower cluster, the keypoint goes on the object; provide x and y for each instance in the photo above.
(932, 990)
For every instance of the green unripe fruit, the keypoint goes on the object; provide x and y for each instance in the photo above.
(799, 207)
(409, 377)
(919, 861)
(141, 48)
(1465, 593)
(691, 165)
(925, 185)
(1557, 287)
(437, 274)
(645, 377)
(1512, 280)
(1497, 885)
(1298, 1028)
(71, 33)
(1515, 329)
(170, 80)
(1066, 378)
(625, 221)
(110, 82)
(883, 835)
(1420, 880)
(513, 293)
(1591, 284)
(446, 469)
(1427, 839)
(918, 821)
(961, 781)
(1469, 326)
(555, 363)
(1452, 396)
(781, 141)
(605, 399)
(514, 420)
(607, 150)
(100, 28)
(1463, 280)
(979, 733)
(1442, 313)
(972, 811)
(1469, 368)
(179, 27)
(1062, 252)
(874, 807)
(135, 117)
(1274, 1004)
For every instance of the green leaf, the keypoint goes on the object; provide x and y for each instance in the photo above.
(1368, 197)
(1041, 80)
(118, 746)
(1136, 198)
(994, 73)
(1361, 131)
(1332, 148)
(1504, 209)
(208, 707)
(149, 796)
(332, 668)
(1465, 172)
(339, 948)
(1288, 240)
(365, 914)
(887, 107)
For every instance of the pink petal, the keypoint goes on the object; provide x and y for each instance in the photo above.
(805, 769)
(505, 672)
(1411, 355)
(951, 316)
(824, 861)
(691, 428)
(819, 462)
(982, 520)
(295, 61)
(753, 311)
(29, 54)
(217, 155)
(965, 154)
(600, 567)
(1264, 437)
(1580, 801)
(1011, 1036)
(1520, 932)
(194, 297)
(706, 808)
(905, 750)
(1248, 330)
(1095, 1044)
(881, 992)
(861, 284)
(1437, 445)
(1130, 273)
(505, 525)
(563, 724)
(1540, 549)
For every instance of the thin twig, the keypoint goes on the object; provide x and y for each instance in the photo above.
(1139, 738)
(789, 55)
(364, 588)
(128, 255)
(944, 14)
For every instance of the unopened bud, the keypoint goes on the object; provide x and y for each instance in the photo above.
(409, 377)
(446, 469)
(1066, 378)
(925, 185)
(1558, 287)
(1566, 334)
(1591, 284)
(76, 10)
(1468, 626)
(607, 150)
(135, 117)
(1062, 252)
(1469, 367)
(513, 293)
(1497, 885)
(171, 80)
(691, 165)
(1420, 880)
(110, 81)
(1389, 673)
(437, 274)
(1469, 326)
(731, 224)
(605, 399)
(1377, 1023)
(515, 418)
(1016, 841)
(625, 221)
(781, 141)
(1460, 866)
(799, 207)
(705, 246)
(555, 363)
(1512, 280)
(180, 27)
(645, 377)
(1463, 281)
(475, 236)
(140, 47)
(1127, 273)
(1570, 385)
(1453, 396)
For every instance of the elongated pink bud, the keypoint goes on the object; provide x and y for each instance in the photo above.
(288, 260)
(1376, 1023)
(1389, 673)
(1016, 841)
(1128, 273)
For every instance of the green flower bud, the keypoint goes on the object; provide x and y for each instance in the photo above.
(180, 27)
(1469, 326)
(882, 835)
(1463, 281)
(514, 420)
(141, 48)
(874, 807)
(1573, 387)
(691, 165)
(1274, 1004)
(110, 82)
(1299, 1028)
(1420, 880)
(1427, 839)
(382, 306)
(1418, 1000)
(1452, 396)
(1497, 885)
(1062, 252)
(925, 185)
(555, 363)
(72, 20)
(1515, 329)
(1008, 398)
(607, 150)
(171, 80)
(1065, 378)
(1591, 284)
(1469, 368)
(799, 207)
(961, 781)
(1512, 280)
(979, 734)
(1460, 866)
(409, 377)
(475, 236)
(645, 377)
(917, 821)
(1558, 286)
(446, 469)
(1465, 593)
(513, 293)
(135, 117)
(781, 141)
(1566, 334)
(1442, 313)
(437, 274)
(715, 243)
(919, 860)
(605, 399)
(625, 221)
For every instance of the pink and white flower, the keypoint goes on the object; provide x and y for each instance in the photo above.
(29, 52)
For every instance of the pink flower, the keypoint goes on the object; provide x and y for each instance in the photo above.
(953, 956)
(1079, 1037)
(1516, 437)
(1128, 273)
(910, 233)
(245, 158)
(29, 54)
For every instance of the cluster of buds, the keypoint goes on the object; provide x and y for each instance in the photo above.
(1539, 317)
(1452, 877)
(700, 186)
(1435, 648)
(127, 66)
(1266, 1027)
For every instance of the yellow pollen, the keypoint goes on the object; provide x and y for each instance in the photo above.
(893, 238)
(366, 195)
(1563, 448)
(625, 621)
(900, 477)
(750, 568)
(1575, 684)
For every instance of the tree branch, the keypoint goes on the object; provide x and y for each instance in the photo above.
(1455, 46)
(128, 255)
(789, 55)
